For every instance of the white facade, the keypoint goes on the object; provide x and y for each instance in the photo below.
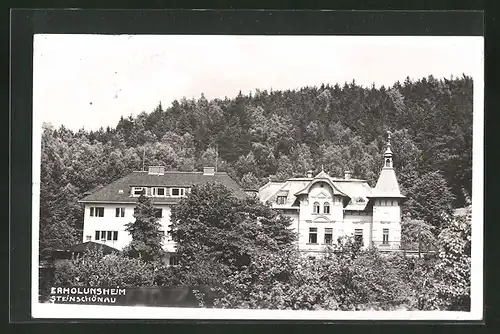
(114, 219)
(324, 208)
(322, 215)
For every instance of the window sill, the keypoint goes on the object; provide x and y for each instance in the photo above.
(310, 244)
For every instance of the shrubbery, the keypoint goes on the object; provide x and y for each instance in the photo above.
(96, 269)
(248, 260)
(347, 279)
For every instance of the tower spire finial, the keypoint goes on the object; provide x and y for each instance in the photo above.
(388, 152)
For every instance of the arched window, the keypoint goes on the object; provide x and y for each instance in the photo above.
(326, 207)
(316, 207)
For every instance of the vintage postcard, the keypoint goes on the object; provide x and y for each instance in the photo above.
(258, 177)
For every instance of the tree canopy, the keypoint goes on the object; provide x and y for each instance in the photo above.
(215, 229)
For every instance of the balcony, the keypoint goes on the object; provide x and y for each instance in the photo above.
(408, 248)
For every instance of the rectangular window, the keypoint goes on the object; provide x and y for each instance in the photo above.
(313, 235)
(173, 260)
(137, 191)
(120, 212)
(385, 236)
(88, 238)
(328, 235)
(106, 235)
(96, 212)
(158, 213)
(281, 200)
(177, 192)
(358, 236)
(158, 192)
(99, 212)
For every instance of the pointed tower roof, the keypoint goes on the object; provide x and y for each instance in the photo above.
(387, 184)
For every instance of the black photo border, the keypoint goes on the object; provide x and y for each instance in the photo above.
(27, 22)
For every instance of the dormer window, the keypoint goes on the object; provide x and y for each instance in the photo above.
(137, 191)
(158, 192)
(177, 192)
(281, 200)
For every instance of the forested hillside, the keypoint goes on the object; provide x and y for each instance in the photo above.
(268, 134)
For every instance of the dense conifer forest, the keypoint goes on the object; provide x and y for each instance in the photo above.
(270, 135)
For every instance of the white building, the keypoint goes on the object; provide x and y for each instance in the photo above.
(324, 208)
(108, 209)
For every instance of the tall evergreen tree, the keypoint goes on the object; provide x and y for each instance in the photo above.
(147, 236)
(430, 200)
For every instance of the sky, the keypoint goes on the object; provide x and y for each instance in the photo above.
(89, 81)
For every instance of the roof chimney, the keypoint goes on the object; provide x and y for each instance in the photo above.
(347, 175)
(156, 170)
(309, 174)
(208, 170)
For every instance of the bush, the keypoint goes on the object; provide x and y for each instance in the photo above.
(96, 269)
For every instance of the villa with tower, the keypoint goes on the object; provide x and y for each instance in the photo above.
(324, 208)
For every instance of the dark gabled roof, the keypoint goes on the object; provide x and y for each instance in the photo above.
(110, 192)
(81, 248)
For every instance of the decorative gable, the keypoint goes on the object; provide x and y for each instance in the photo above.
(322, 195)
